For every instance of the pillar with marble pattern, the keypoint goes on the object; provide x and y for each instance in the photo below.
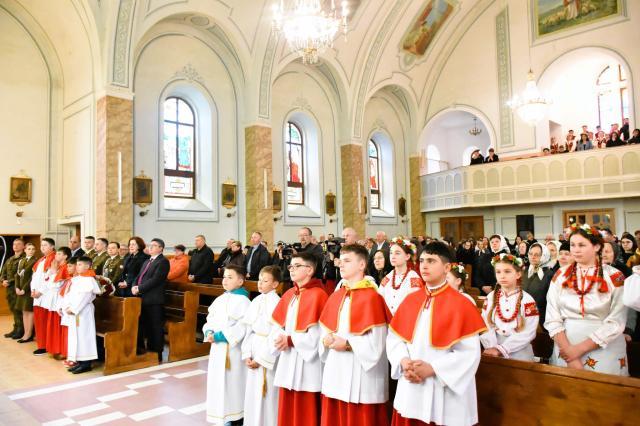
(353, 208)
(258, 159)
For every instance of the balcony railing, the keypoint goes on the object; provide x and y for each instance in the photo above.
(594, 174)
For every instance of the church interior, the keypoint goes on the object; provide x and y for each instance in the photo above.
(285, 124)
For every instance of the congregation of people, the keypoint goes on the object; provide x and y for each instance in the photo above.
(352, 310)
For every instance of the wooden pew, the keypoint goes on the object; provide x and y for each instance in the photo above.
(117, 323)
(536, 394)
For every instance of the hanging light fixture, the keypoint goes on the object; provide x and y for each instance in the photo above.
(531, 105)
(475, 130)
(309, 27)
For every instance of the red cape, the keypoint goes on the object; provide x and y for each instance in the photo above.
(48, 260)
(368, 309)
(62, 274)
(311, 300)
(452, 317)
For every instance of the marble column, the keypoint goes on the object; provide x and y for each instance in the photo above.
(353, 208)
(114, 189)
(258, 164)
(416, 216)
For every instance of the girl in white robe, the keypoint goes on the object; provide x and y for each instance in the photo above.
(261, 397)
(226, 375)
(632, 290)
(586, 316)
(456, 278)
(510, 314)
(403, 279)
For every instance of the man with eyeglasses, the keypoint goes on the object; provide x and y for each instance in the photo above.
(296, 340)
(149, 285)
(305, 246)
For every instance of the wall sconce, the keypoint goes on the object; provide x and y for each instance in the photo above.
(231, 213)
(331, 220)
(277, 218)
(143, 213)
(19, 215)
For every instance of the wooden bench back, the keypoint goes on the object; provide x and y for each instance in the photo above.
(534, 394)
(109, 314)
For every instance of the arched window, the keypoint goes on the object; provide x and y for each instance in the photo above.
(613, 96)
(374, 174)
(294, 150)
(179, 149)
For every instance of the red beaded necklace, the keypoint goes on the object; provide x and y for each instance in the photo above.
(583, 291)
(499, 310)
(393, 278)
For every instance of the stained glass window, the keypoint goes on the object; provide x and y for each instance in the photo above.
(294, 147)
(374, 174)
(178, 137)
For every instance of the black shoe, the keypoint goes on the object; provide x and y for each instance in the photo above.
(40, 352)
(74, 368)
(83, 369)
(9, 335)
(30, 339)
(17, 336)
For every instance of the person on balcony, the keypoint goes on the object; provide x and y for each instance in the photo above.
(584, 143)
(492, 157)
(476, 157)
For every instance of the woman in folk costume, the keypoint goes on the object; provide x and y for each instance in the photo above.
(585, 312)
(434, 349)
(42, 273)
(402, 280)
(456, 278)
(82, 347)
(261, 396)
(226, 375)
(536, 277)
(296, 339)
(510, 313)
(24, 300)
(355, 383)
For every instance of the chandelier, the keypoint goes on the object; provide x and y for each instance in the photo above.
(309, 27)
(531, 105)
(475, 130)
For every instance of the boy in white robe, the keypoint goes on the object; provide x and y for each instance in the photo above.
(355, 379)
(261, 397)
(226, 375)
(82, 347)
(434, 349)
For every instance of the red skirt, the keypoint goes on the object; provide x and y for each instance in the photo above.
(40, 324)
(340, 413)
(54, 333)
(298, 408)
(64, 339)
(398, 420)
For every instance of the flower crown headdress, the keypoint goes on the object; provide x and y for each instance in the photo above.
(504, 257)
(459, 269)
(405, 244)
(585, 227)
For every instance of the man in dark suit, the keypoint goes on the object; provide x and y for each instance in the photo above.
(257, 258)
(74, 246)
(201, 263)
(380, 243)
(224, 254)
(149, 285)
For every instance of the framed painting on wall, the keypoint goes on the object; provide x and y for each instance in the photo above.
(20, 190)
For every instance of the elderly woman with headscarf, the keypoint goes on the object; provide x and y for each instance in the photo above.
(484, 276)
(537, 277)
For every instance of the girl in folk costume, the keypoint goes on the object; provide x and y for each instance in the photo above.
(456, 278)
(355, 384)
(536, 277)
(225, 330)
(78, 304)
(434, 349)
(402, 280)
(24, 301)
(55, 332)
(63, 300)
(585, 312)
(510, 313)
(42, 273)
(261, 397)
(296, 339)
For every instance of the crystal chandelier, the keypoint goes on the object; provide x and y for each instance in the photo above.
(531, 105)
(308, 27)
(475, 130)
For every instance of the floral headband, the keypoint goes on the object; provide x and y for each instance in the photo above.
(504, 257)
(585, 227)
(405, 244)
(459, 269)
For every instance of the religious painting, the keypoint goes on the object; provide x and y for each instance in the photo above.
(552, 16)
(294, 147)
(20, 190)
(142, 190)
(426, 26)
(277, 200)
(330, 203)
(228, 195)
(402, 207)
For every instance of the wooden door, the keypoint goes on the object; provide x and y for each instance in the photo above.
(462, 227)
(602, 218)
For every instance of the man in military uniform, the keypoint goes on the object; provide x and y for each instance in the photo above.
(89, 250)
(101, 255)
(112, 269)
(8, 278)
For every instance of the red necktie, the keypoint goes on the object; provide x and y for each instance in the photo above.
(144, 271)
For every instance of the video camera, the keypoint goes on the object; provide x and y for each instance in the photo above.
(287, 249)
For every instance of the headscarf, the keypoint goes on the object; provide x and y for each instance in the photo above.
(544, 259)
(503, 245)
(556, 243)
